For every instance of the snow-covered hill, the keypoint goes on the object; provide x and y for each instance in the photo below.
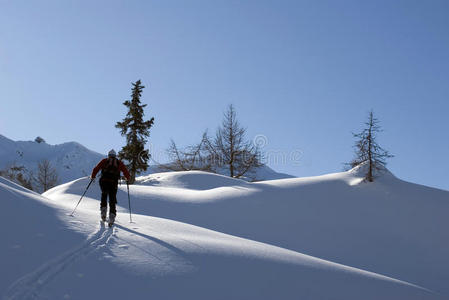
(160, 258)
(199, 235)
(390, 226)
(72, 160)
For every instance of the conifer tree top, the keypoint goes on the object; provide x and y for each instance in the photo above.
(136, 130)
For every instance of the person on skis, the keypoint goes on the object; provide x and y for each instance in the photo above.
(110, 174)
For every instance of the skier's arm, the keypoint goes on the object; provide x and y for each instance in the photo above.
(98, 168)
(124, 170)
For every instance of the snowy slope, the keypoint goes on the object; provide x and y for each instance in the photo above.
(31, 232)
(159, 259)
(390, 227)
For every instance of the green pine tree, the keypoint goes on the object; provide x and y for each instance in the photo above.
(136, 131)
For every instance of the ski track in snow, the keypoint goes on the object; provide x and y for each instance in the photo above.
(30, 285)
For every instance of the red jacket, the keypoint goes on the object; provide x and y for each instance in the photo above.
(102, 164)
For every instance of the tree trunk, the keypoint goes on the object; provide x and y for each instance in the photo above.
(370, 156)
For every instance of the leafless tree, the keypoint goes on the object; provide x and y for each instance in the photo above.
(194, 157)
(231, 148)
(47, 176)
(20, 175)
(227, 151)
(367, 150)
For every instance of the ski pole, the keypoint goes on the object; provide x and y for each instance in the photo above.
(129, 202)
(91, 180)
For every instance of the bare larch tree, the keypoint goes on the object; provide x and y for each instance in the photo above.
(367, 150)
(20, 175)
(194, 157)
(230, 149)
(46, 175)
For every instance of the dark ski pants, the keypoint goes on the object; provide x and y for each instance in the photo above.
(108, 188)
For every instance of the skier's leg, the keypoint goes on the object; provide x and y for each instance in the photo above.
(112, 203)
(112, 200)
(103, 203)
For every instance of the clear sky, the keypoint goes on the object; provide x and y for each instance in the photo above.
(304, 74)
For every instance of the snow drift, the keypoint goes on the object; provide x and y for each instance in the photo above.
(77, 258)
(386, 228)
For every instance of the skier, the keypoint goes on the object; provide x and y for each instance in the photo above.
(110, 173)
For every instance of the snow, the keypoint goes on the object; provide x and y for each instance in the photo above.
(199, 235)
(31, 232)
(192, 180)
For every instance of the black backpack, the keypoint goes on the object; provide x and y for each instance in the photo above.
(111, 171)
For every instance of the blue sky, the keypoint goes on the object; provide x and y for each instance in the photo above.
(302, 73)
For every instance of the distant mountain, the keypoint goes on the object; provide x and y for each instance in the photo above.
(73, 160)
(266, 173)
